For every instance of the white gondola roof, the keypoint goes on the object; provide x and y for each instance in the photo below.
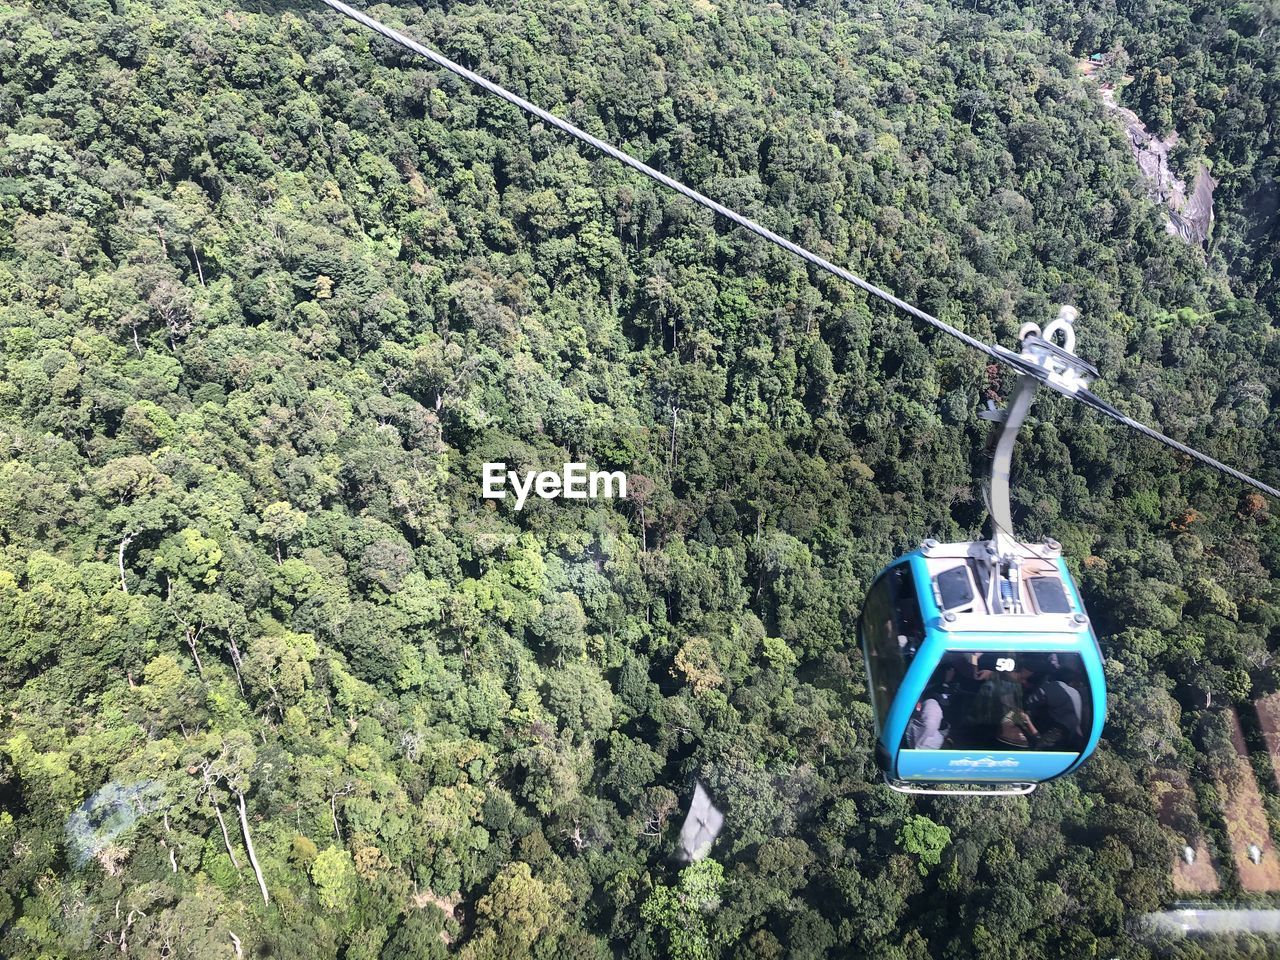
(968, 610)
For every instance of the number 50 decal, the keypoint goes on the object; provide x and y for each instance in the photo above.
(1005, 664)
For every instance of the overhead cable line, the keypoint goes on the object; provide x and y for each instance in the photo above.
(998, 354)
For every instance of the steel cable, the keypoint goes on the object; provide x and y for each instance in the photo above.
(1000, 356)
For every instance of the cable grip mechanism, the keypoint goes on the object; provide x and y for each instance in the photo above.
(1043, 360)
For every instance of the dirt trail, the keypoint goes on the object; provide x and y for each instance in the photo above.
(1246, 822)
(1201, 875)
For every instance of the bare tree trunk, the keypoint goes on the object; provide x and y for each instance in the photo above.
(128, 539)
(344, 790)
(235, 662)
(248, 845)
(226, 837)
(236, 943)
(192, 633)
(199, 269)
(191, 642)
(671, 460)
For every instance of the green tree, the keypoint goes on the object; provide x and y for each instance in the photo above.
(334, 874)
(925, 839)
(684, 916)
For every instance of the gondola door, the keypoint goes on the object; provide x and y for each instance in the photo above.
(892, 631)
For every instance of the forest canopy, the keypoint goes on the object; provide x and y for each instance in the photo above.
(275, 679)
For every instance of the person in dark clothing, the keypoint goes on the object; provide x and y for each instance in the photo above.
(998, 713)
(1058, 710)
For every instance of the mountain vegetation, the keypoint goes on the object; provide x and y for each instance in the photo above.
(275, 680)
(1207, 72)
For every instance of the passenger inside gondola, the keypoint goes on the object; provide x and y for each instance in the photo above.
(927, 728)
(1002, 701)
(1058, 708)
(999, 714)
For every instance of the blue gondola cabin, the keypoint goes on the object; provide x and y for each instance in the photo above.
(983, 669)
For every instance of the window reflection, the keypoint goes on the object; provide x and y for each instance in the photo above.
(1003, 701)
(893, 631)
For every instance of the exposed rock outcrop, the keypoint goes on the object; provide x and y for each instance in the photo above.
(1189, 213)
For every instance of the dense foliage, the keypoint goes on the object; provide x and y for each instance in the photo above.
(1209, 72)
(271, 293)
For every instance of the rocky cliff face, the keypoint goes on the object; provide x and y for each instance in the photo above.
(1189, 213)
(1192, 220)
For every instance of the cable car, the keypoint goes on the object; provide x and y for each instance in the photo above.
(985, 674)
